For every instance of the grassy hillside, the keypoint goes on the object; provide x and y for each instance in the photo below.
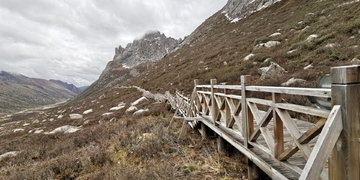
(219, 47)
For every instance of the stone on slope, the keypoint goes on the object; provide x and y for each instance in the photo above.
(138, 101)
(65, 129)
(140, 111)
(248, 57)
(272, 71)
(75, 116)
(293, 81)
(18, 130)
(9, 154)
(88, 111)
(131, 109)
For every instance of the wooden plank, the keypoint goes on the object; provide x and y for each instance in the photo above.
(304, 109)
(278, 128)
(290, 151)
(268, 169)
(317, 92)
(264, 130)
(313, 132)
(294, 131)
(263, 123)
(244, 115)
(323, 147)
(213, 104)
(260, 101)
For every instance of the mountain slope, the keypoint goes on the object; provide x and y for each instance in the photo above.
(18, 92)
(70, 87)
(314, 34)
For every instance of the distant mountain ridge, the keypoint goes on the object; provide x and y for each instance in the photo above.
(18, 92)
(70, 87)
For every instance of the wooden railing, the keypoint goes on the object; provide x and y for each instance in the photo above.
(264, 131)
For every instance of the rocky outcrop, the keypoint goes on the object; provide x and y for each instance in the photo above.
(152, 47)
(272, 71)
(236, 10)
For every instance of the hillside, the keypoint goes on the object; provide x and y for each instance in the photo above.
(18, 92)
(117, 130)
(317, 34)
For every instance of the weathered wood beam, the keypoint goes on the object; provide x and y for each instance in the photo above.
(324, 145)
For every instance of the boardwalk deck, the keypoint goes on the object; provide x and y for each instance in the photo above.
(281, 145)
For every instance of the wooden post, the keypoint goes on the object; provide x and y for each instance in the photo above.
(247, 126)
(244, 107)
(221, 144)
(278, 128)
(213, 103)
(344, 163)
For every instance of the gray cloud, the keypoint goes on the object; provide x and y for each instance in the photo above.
(73, 40)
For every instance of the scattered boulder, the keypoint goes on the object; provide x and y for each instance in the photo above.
(138, 112)
(36, 121)
(131, 109)
(275, 34)
(18, 130)
(26, 124)
(88, 111)
(332, 45)
(116, 108)
(51, 119)
(355, 61)
(65, 129)
(138, 101)
(274, 70)
(308, 67)
(38, 131)
(60, 116)
(312, 37)
(9, 154)
(291, 51)
(75, 116)
(113, 120)
(268, 44)
(293, 81)
(248, 57)
(86, 122)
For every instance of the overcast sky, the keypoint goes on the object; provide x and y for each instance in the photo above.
(72, 40)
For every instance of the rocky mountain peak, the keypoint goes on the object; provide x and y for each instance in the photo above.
(236, 10)
(151, 47)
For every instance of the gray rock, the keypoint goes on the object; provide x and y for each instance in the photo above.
(308, 67)
(65, 129)
(355, 61)
(235, 9)
(312, 37)
(272, 71)
(9, 154)
(275, 34)
(152, 47)
(248, 57)
(293, 81)
(75, 116)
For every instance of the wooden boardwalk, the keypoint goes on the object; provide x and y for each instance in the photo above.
(263, 129)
